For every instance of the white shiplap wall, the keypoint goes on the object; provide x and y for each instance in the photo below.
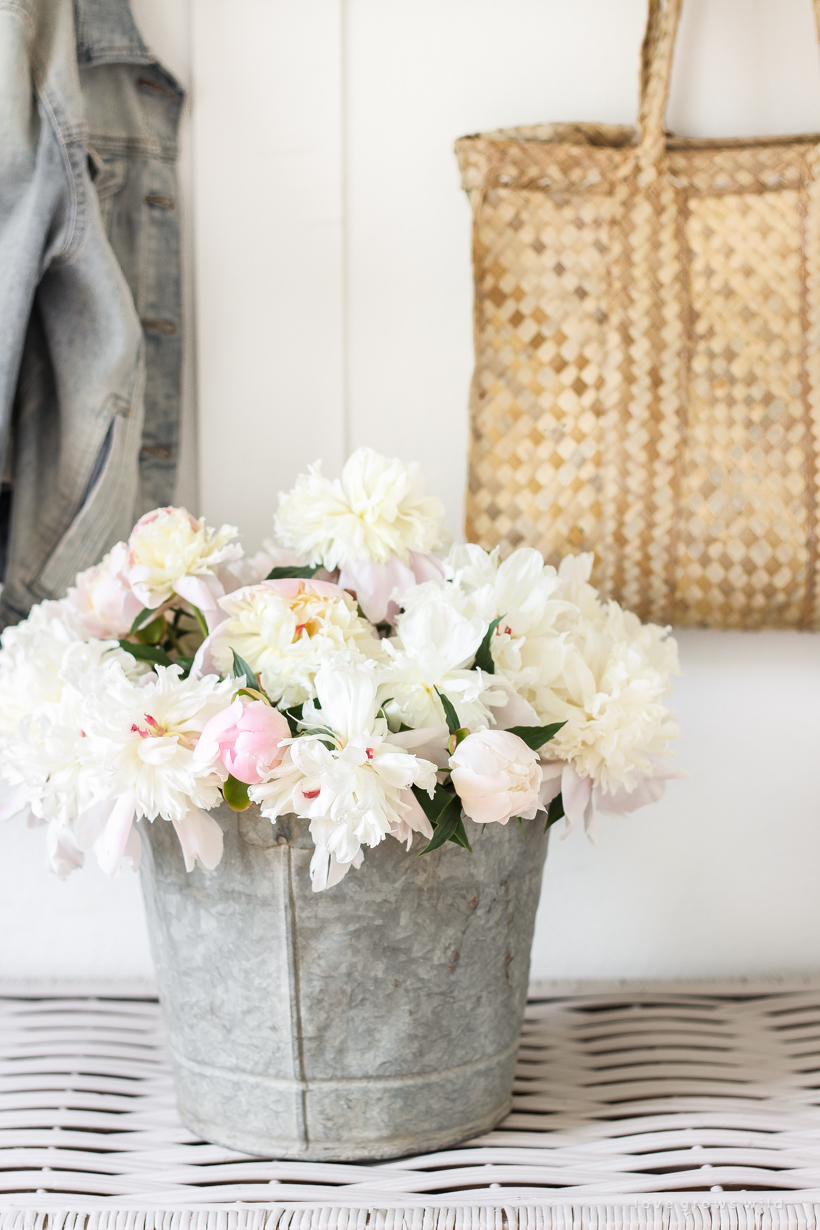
(333, 295)
(268, 163)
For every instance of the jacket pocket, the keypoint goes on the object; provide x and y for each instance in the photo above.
(107, 513)
(109, 177)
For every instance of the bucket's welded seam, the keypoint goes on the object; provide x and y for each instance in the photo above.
(297, 1049)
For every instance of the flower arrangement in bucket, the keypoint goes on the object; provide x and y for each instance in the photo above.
(359, 695)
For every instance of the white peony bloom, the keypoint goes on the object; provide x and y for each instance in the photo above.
(496, 776)
(615, 678)
(47, 753)
(47, 671)
(375, 524)
(521, 588)
(375, 511)
(522, 593)
(170, 552)
(285, 630)
(583, 798)
(139, 757)
(63, 855)
(345, 775)
(433, 651)
(573, 575)
(30, 662)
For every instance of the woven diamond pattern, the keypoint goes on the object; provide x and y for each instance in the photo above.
(744, 516)
(538, 393)
(647, 380)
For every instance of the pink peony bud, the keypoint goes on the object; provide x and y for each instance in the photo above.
(246, 737)
(103, 598)
(496, 776)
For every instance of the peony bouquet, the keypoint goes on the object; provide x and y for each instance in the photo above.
(358, 673)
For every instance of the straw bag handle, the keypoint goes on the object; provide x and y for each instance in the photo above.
(656, 69)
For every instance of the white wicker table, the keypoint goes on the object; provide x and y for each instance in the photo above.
(635, 1106)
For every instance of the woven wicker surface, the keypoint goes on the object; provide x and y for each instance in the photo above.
(647, 337)
(632, 1107)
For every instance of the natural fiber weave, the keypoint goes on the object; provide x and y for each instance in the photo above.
(647, 333)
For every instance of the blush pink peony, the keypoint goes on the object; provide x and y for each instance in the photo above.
(103, 599)
(247, 739)
(496, 777)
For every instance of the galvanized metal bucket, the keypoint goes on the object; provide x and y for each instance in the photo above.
(375, 1019)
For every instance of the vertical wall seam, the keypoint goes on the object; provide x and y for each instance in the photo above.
(189, 268)
(344, 149)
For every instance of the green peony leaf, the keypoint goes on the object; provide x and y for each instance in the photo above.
(448, 821)
(241, 670)
(437, 807)
(236, 794)
(433, 808)
(536, 736)
(459, 837)
(483, 656)
(144, 615)
(451, 717)
(146, 653)
(293, 573)
(186, 663)
(554, 812)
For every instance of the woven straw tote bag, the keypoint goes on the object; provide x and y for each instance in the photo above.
(647, 334)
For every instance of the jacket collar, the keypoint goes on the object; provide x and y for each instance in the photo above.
(108, 34)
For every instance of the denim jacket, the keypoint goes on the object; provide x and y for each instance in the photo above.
(72, 352)
(132, 106)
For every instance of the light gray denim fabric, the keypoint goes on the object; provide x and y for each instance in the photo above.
(68, 326)
(132, 107)
(72, 354)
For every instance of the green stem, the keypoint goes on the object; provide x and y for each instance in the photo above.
(171, 637)
(200, 619)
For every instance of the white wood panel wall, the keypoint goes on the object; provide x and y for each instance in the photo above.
(333, 297)
(270, 255)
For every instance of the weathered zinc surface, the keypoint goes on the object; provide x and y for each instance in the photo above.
(375, 1019)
